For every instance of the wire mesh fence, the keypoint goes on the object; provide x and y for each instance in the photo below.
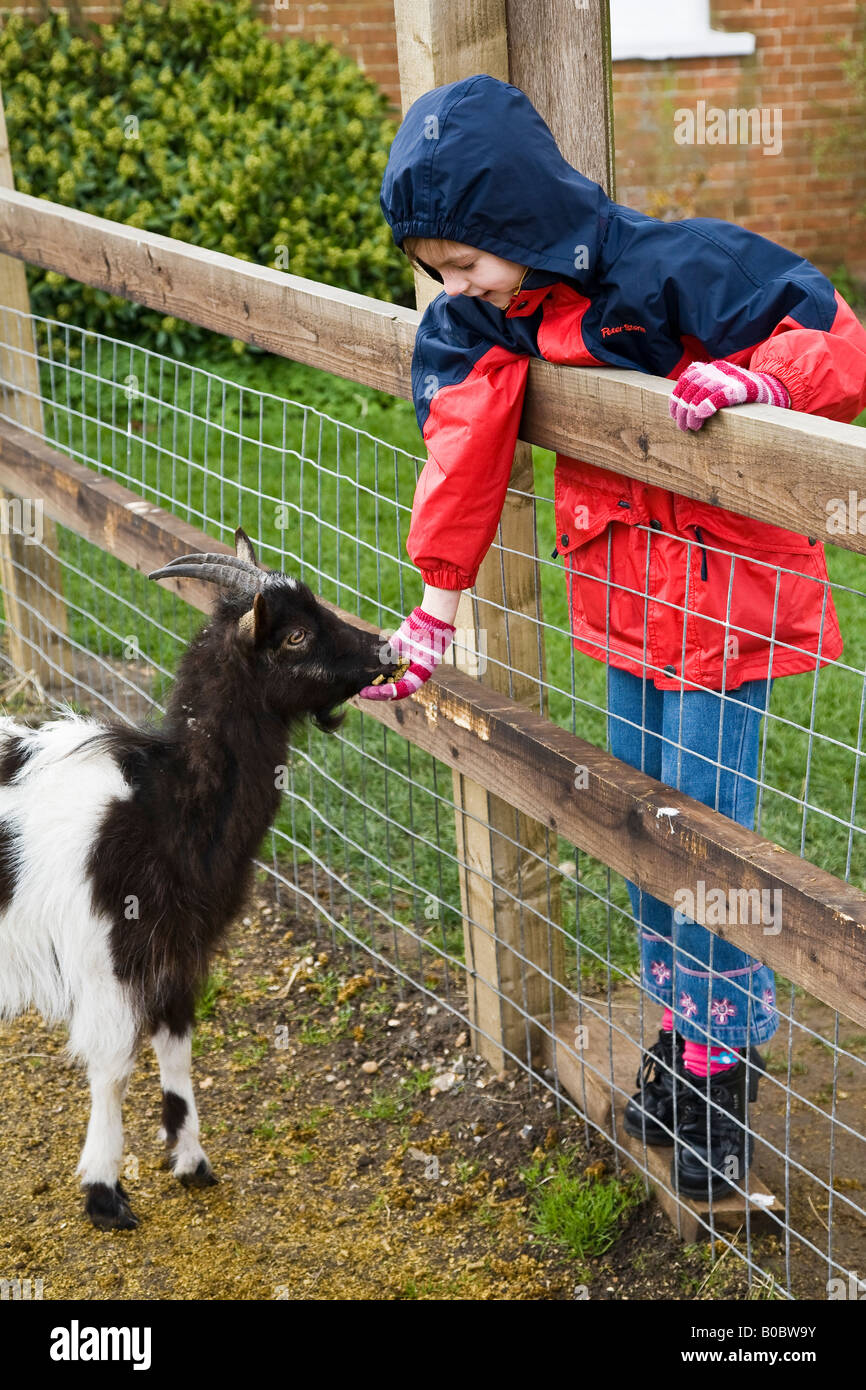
(374, 832)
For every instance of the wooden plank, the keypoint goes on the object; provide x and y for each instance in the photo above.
(435, 46)
(448, 42)
(568, 78)
(781, 467)
(506, 890)
(96, 507)
(568, 81)
(32, 583)
(598, 1068)
(778, 466)
(348, 334)
(620, 816)
(30, 571)
(623, 818)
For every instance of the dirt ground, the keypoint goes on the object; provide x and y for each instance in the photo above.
(341, 1176)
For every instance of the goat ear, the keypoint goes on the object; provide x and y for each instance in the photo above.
(254, 625)
(244, 547)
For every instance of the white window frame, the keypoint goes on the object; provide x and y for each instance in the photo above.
(659, 29)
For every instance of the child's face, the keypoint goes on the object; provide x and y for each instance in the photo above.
(466, 270)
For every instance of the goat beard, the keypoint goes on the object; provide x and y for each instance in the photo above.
(330, 719)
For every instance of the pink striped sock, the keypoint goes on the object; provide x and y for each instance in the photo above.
(699, 1059)
(667, 1021)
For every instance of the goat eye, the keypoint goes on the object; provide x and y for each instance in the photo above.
(296, 636)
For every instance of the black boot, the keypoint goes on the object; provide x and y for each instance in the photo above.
(649, 1115)
(731, 1145)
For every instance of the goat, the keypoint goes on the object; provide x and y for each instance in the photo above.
(126, 852)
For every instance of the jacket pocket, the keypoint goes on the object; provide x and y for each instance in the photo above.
(731, 531)
(751, 605)
(583, 509)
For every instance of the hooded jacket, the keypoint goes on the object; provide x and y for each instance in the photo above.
(658, 582)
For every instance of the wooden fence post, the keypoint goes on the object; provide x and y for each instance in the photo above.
(559, 55)
(568, 78)
(30, 573)
(507, 896)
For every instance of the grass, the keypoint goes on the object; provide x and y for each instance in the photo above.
(580, 1214)
(325, 987)
(413, 1288)
(252, 1055)
(824, 1095)
(722, 1273)
(376, 1006)
(418, 1080)
(215, 985)
(778, 1066)
(329, 499)
(381, 1106)
(313, 1034)
(465, 1169)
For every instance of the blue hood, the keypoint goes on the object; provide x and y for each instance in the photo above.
(474, 162)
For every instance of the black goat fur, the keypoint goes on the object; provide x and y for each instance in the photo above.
(172, 864)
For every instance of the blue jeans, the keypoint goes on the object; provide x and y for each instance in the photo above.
(717, 992)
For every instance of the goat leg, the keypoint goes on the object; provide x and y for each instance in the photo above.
(189, 1162)
(106, 1203)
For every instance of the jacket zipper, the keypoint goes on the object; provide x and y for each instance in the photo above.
(703, 552)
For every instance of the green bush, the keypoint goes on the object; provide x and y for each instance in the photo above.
(185, 118)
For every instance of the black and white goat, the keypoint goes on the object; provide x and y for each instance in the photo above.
(125, 853)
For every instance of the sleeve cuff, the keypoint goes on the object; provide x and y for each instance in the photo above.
(790, 377)
(448, 578)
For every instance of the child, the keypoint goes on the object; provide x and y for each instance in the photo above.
(536, 261)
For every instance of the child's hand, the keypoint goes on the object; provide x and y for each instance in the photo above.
(705, 387)
(421, 641)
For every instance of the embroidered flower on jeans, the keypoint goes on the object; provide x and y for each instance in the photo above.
(688, 1005)
(722, 1010)
(768, 999)
(661, 971)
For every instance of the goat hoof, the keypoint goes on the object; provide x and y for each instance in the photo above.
(203, 1176)
(108, 1208)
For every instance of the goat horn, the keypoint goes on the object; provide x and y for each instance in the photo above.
(209, 558)
(241, 579)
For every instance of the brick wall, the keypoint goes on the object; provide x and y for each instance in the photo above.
(363, 29)
(796, 69)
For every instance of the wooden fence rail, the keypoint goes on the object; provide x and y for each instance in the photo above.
(782, 467)
(528, 761)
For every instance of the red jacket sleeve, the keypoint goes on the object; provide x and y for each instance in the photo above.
(825, 373)
(471, 433)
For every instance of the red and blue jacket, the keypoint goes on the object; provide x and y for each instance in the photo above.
(658, 582)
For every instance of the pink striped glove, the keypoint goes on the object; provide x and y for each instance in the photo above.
(705, 387)
(422, 641)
